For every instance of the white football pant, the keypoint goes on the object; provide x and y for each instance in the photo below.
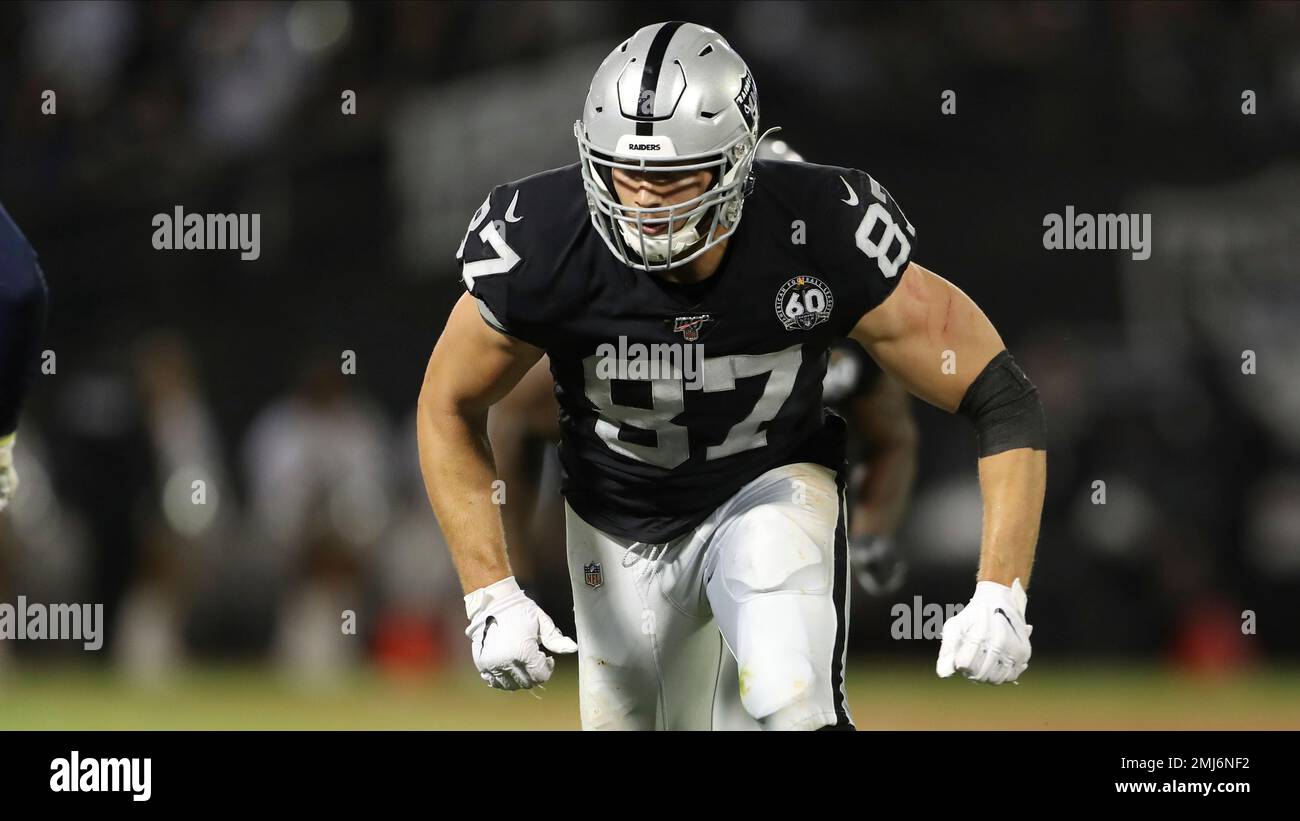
(738, 624)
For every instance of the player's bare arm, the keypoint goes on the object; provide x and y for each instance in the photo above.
(472, 367)
(526, 414)
(882, 417)
(885, 421)
(924, 323)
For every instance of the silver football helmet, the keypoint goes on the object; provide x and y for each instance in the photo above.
(673, 95)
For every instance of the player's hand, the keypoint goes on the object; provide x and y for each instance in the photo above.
(508, 631)
(989, 639)
(877, 564)
(8, 474)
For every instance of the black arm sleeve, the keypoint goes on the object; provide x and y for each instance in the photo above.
(1004, 406)
(23, 298)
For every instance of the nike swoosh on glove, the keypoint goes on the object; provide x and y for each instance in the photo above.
(988, 640)
(508, 631)
(8, 474)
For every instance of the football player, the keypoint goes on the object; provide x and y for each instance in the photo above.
(704, 482)
(22, 315)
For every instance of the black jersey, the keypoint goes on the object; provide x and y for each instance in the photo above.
(673, 396)
(850, 373)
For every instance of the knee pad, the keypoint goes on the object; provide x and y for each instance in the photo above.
(775, 686)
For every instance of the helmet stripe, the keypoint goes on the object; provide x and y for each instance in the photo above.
(654, 59)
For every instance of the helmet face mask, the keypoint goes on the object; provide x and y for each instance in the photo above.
(706, 118)
(621, 226)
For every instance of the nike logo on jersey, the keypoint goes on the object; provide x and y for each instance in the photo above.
(853, 195)
(510, 212)
(1004, 615)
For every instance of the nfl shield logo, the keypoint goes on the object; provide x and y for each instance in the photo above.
(690, 326)
(593, 575)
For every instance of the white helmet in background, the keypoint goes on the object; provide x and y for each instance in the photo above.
(674, 94)
(778, 150)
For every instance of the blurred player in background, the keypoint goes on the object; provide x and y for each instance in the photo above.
(525, 425)
(706, 503)
(22, 316)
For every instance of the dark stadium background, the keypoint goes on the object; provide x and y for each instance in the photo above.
(235, 107)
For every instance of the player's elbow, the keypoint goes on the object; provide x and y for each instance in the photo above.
(433, 425)
(435, 408)
(441, 413)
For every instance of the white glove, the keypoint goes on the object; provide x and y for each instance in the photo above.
(506, 627)
(8, 474)
(989, 639)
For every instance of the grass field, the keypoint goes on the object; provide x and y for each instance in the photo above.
(882, 696)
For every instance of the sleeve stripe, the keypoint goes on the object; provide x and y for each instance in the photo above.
(489, 317)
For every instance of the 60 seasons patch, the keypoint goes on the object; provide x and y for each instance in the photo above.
(804, 302)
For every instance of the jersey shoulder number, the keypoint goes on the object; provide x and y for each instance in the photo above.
(883, 233)
(488, 254)
(864, 240)
(506, 254)
(862, 219)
